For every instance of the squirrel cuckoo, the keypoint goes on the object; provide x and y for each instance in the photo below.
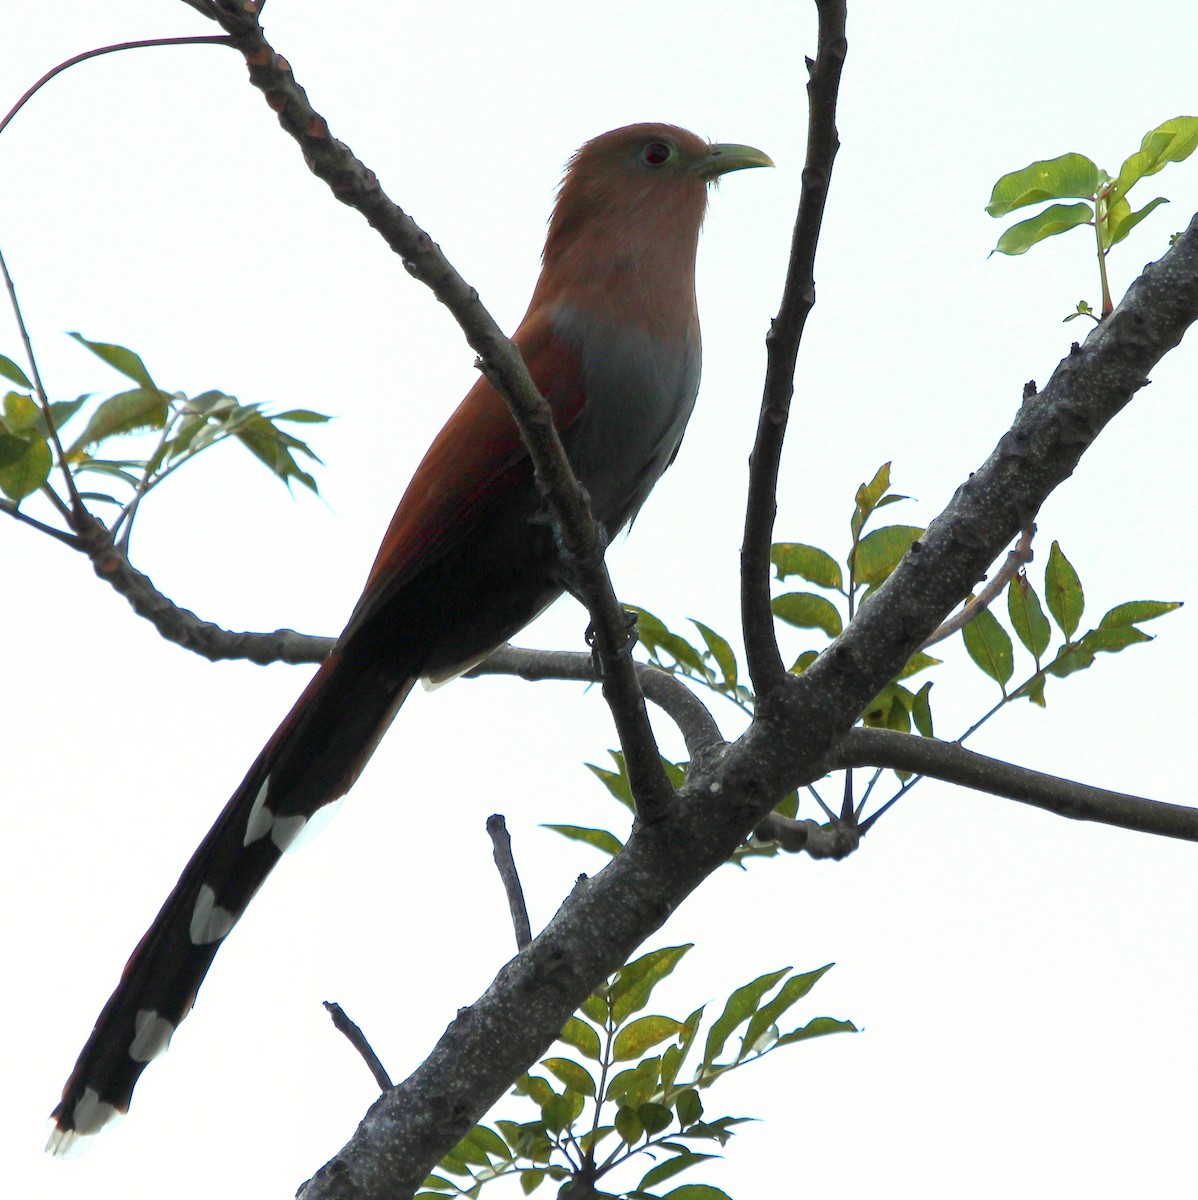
(611, 339)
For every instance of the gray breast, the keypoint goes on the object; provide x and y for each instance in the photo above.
(640, 394)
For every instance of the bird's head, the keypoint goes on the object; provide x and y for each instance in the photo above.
(631, 205)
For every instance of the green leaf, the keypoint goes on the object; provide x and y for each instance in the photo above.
(558, 1112)
(530, 1180)
(809, 562)
(879, 552)
(741, 1005)
(655, 637)
(819, 1027)
(919, 661)
(582, 1037)
(21, 412)
(804, 661)
(595, 1006)
(806, 610)
(489, 1143)
(1120, 230)
(720, 650)
(535, 1087)
(600, 839)
(1172, 141)
(61, 411)
(628, 1126)
(271, 446)
(1027, 617)
(921, 710)
(634, 983)
(636, 1084)
(637, 1036)
(577, 1078)
(1063, 592)
(989, 645)
(302, 416)
(654, 1117)
(1135, 611)
(1113, 638)
(697, 1191)
(121, 359)
(615, 781)
(670, 1168)
(793, 990)
(25, 464)
(1055, 219)
(10, 371)
(127, 412)
(868, 497)
(1070, 658)
(689, 1107)
(436, 1183)
(1069, 175)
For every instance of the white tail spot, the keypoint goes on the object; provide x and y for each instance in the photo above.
(90, 1115)
(261, 818)
(209, 922)
(151, 1037)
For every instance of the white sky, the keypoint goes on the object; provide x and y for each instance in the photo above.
(1026, 985)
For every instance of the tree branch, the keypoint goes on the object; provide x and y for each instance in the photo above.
(505, 862)
(180, 625)
(582, 543)
(954, 764)
(696, 724)
(766, 668)
(790, 742)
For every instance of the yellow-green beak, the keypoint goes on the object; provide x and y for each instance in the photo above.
(723, 157)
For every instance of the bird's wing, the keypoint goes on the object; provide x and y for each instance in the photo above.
(473, 463)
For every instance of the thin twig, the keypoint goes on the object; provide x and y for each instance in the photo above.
(357, 1039)
(692, 717)
(68, 539)
(215, 39)
(1015, 561)
(180, 625)
(766, 668)
(954, 764)
(42, 399)
(501, 844)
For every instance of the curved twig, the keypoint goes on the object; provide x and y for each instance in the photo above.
(765, 665)
(214, 39)
(692, 717)
(180, 625)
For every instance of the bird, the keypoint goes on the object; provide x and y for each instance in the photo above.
(611, 339)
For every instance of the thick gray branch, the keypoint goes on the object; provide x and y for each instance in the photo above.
(797, 729)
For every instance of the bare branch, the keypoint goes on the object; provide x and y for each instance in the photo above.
(836, 840)
(206, 39)
(357, 1039)
(696, 724)
(766, 668)
(954, 764)
(501, 843)
(180, 625)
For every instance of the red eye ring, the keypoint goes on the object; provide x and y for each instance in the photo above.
(656, 154)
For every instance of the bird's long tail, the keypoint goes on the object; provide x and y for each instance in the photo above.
(312, 759)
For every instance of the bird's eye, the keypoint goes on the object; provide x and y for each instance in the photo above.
(656, 154)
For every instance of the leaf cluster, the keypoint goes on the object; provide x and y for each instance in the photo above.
(1100, 199)
(180, 426)
(622, 1096)
(843, 586)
